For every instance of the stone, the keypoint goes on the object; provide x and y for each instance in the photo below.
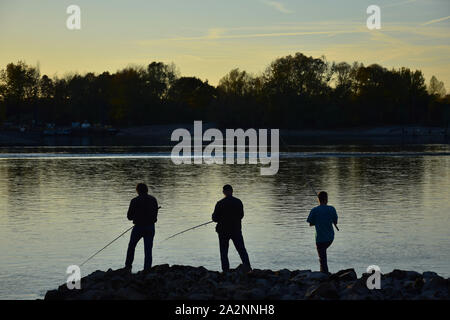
(397, 274)
(160, 268)
(429, 274)
(436, 284)
(284, 274)
(200, 296)
(262, 283)
(325, 290)
(53, 295)
(345, 275)
(257, 294)
(317, 276)
(197, 283)
(241, 295)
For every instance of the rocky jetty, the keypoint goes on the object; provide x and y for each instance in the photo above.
(164, 282)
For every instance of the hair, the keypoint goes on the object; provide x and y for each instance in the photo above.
(227, 187)
(142, 188)
(323, 196)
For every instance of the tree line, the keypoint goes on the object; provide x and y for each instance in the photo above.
(294, 91)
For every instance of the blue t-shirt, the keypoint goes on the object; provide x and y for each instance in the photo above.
(323, 217)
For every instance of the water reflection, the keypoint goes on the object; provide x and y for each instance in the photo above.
(57, 211)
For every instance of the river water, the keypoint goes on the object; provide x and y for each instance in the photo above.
(58, 205)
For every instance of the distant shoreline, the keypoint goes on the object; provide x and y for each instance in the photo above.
(160, 135)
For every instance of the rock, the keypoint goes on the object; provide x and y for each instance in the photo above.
(359, 286)
(241, 295)
(293, 288)
(275, 292)
(316, 276)
(436, 284)
(257, 294)
(397, 274)
(429, 274)
(325, 290)
(53, 295)
(413, 275)
(418, 283)
(262, 283)
(197, 283)
(96, 275)
(344, 275)
(200, 296)
(284, 274)
(91, 295)
(160, 268)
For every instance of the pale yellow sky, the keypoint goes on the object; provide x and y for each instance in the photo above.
(208, 38)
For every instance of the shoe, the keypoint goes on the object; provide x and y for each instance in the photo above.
(127, 269)
(244, 268)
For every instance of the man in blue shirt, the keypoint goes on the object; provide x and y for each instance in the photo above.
(323, 217)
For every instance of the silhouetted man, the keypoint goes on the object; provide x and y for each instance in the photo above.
(228, 214)
(323, 217)
(143, 211)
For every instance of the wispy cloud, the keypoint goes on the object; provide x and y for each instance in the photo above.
(277, 6)
(328, 28)
(253, 35)
(398, 4)
(214, 34)
(435, 20)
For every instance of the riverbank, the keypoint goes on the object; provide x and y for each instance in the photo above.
(161, 134)
(164, 282)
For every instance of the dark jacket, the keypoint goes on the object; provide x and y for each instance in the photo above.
(228, 214)
(143, 210)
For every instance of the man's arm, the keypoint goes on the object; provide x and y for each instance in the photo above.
(155, 210)
(241, 210)
(310, 219)
(216, 214)
(335, 219)
(130, 213)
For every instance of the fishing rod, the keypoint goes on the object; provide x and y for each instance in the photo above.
(106, 245)
(200, 225)
(312, 188)
(309, 183)
(109, 244)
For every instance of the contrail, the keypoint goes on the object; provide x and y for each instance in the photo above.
(436, 20)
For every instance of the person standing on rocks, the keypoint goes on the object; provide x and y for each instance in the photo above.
(323, 217)
(228, 214)
(143, 211)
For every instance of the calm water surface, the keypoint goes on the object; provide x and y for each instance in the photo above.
(59, 205)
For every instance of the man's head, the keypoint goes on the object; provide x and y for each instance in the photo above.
(227, 190)
(323, 197)
(141, 189)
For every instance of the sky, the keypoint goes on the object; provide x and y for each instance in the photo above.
(208, 38)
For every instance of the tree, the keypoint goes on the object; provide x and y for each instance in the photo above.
(237, 83)
(436, 87)
(191, 97)
(19, 83)
(159, 78)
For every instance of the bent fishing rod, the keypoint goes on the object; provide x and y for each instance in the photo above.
(109, 244)
(200, 225)
(317, 195)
